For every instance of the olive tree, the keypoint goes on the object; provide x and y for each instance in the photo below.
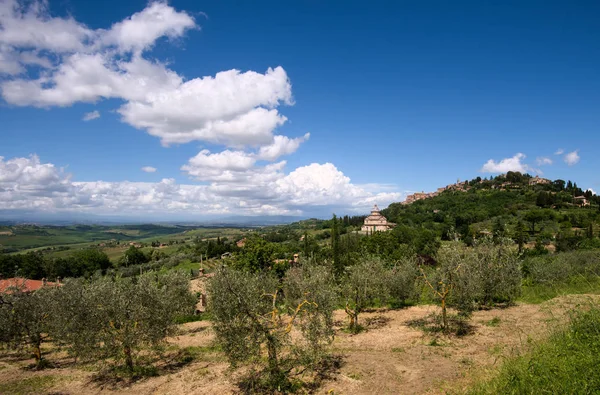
(496, 268)
(116, 317)
(251, 318)
(362, 286)
(472, 277)
(402, 280)
(24, 320)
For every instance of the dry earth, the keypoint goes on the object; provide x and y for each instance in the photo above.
(389, 358)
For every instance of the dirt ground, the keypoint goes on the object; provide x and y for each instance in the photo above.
(391, 357)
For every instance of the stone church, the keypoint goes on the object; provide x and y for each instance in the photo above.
(376, 222)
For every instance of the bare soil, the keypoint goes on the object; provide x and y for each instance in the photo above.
(390, 357)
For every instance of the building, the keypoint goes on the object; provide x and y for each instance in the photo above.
(581, 201)
(24, 285)
(376, 222)
(538, 181)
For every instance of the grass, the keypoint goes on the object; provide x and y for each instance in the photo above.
(494, 322)
(566, 363)
(32, 385)
(539, 293)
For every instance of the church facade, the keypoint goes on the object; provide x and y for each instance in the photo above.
(376, 222)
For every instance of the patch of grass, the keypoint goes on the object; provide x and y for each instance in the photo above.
(398, 349)
(493, 322)
(31, 385)
(540, 293)
(184, 319)
(355, 376)
(567, 363)
(495, 350)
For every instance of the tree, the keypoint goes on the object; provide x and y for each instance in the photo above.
(251, 319)
(88, 261)
(117, 317)
(257, 255)
(521, 235)
(335, 246)
(364, 284)
(401, 280)
(494, 269)
(24, 317)
(134, 256)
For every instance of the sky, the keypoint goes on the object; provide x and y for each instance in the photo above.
(197, 109)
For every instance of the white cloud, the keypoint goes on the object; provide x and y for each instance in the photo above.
(559, 151)
(543, 161)
(26, 183)
(149, 169)
(48, 61)
(233, 108)
(88, 116)
(572, 158)
(281, 145)
(142, 29)
(508, 164)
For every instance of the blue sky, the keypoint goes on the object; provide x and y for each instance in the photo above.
(397, 97)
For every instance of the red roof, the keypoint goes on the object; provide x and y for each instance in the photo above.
(23, 284)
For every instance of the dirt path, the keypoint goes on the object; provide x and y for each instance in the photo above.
(389, 358)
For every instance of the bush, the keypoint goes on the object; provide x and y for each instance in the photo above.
(560, 268)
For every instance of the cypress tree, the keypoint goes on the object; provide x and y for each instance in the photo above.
(335, 246)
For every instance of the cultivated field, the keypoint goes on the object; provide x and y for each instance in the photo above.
(394, 356)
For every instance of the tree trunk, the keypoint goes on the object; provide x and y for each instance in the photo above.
(37, 353)
(444, 314)
(128, 358)
(273, 360)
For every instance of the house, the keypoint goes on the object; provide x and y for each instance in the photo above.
(24, 285)
(241, 243)
(376, 222)
(581, 200)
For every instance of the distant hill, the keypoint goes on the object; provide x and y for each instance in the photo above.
(479, 205)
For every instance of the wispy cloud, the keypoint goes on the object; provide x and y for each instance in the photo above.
(543, 161)
(572, 158)
(559, 151)
(88, 116)
(149, 169)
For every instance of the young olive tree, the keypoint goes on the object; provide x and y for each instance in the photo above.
(316, 284)
(251, 316)
(363, 285)
(116, 318)
(24, 320)
(402, 280)
(449, 284)
(472, 277)
(496, 268)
